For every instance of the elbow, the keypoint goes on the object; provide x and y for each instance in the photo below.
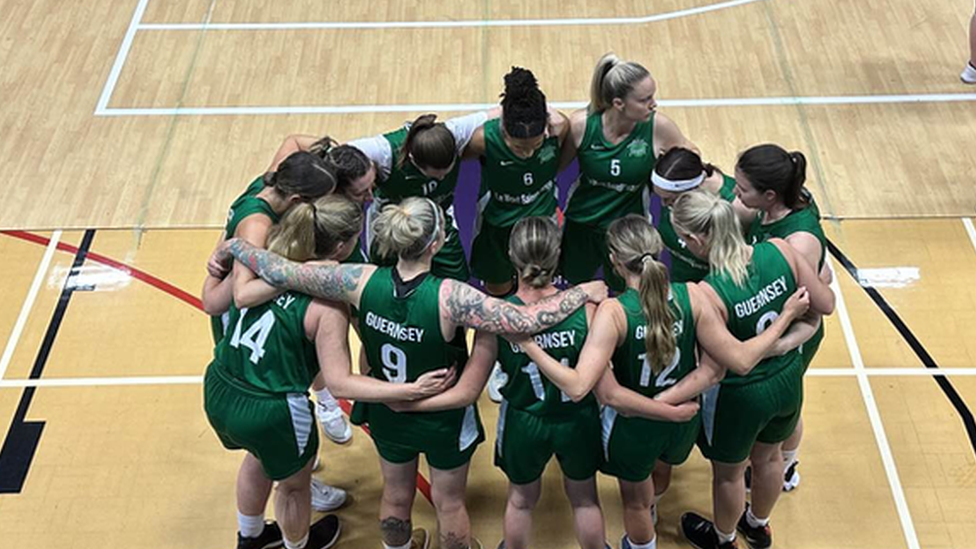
(577, 394)
(212, 308)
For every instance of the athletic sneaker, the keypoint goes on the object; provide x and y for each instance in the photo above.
(496, 381)
(334, 424)
(326, 498)
(419, 539)
(757, 538)
(700, 532)
(968, 75)
(791, 479)
(269, 538)
(324, 533)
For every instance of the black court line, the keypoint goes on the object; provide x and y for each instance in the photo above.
(23, 436)
(943, 381)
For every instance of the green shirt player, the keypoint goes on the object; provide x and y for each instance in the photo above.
(616, 140)
(293, 179)
(752, 411)
(423, 158)
(519, 161)
(649, 334)
(408, 320)
(255, 389)
(679, 171)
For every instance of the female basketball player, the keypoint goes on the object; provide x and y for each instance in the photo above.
(423, 158)
(749, 415)
(408, 322)
(255, 391)
(519, 162)
(771, 181)
(616, 139)
(649, 335)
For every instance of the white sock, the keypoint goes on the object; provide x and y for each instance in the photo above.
(404, 546)
(789, 458)
(755, 522)
(723, 537)
(296, 544)
(248, 526)
(325, 399)
(649, 545)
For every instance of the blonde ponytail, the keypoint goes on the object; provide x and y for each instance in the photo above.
(314, 230)
(409, 228)
(533, 248)
(712, 218)
(612, 79)
(635, 243)
(294, 236)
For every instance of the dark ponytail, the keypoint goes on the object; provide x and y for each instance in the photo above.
(430, 143)
(770, 168)
(524, 113)
(304, 174)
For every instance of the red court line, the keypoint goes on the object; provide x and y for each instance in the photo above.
(422, 484)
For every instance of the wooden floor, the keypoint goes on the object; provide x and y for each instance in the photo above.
(156, 150)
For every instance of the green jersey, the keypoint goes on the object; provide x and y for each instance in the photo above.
(630, 366)
(245, 205)
(527, 388)
(755, 304)
(685, 266)
(798, 221)
(613, 178)
(401, 332)
(406, 180)
(266, 350)
(513, 187)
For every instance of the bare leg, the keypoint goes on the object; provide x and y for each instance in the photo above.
(662, 478)
(399, 484)
(587, 515)
(972, 40)
(447, 490)
(522, 499)
(767, 478)
(637, 498)
(293, 504)
(253, 487)
(793, 442)
(729, 493)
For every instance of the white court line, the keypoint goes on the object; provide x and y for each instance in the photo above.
(465, 107)
(901, 505)
(968, 223)
(448, 24)
(189, 380)
(25, 310)
(113, 75)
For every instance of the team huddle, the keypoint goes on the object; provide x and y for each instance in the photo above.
(709, 351)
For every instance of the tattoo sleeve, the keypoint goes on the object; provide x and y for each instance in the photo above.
(469, 307)
(333, 282)
(395, 531)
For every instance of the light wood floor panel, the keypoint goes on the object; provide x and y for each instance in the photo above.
(938, 308)
(934, 456)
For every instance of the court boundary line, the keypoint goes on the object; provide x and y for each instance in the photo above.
(464, 23)
(28, 305)
(120, 57)
(874, 416)
(771, 101)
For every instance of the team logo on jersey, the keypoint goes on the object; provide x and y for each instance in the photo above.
(547, 153)
(638, 148)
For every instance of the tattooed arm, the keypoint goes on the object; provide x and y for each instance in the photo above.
(333, 282)
(462, 305)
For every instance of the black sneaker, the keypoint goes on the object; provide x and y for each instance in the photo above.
(791, 478)
(757, 538)
(269, 538)
(700, 532)
(324, 533)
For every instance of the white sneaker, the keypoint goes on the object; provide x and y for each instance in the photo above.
(326, 498)
(496, 381)
(791, 478)
(968, 75)
(334, 424)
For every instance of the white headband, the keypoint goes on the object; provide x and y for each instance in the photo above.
(437, 224)
(676, 186)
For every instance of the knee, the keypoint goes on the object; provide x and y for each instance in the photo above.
(521, 501)
(397, 497)
(446, 504)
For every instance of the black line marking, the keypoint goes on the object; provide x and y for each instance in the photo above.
(23, 436)
(943, 381)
